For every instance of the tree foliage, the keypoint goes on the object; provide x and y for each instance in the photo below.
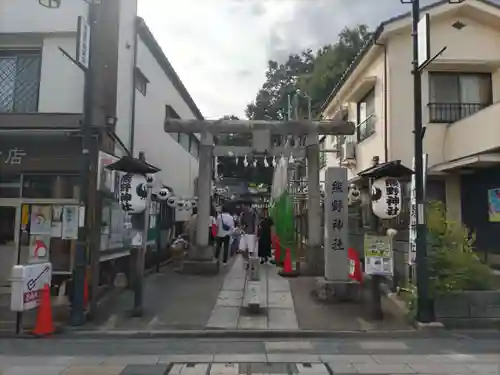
(313, 73)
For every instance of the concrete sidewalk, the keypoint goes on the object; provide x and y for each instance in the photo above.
(172, 301)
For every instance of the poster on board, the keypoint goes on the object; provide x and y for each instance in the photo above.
(39, 248)
(40, 220)
(70, 222)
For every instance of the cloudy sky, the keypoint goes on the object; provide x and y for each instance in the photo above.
(220, 48)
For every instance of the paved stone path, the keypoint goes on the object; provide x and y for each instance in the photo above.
(278, 312)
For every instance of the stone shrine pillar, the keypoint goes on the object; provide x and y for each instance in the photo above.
(200, 254)
(314, 252)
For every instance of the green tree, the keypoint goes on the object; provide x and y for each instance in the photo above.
(330, 64)
(281, 80)
(316, 74)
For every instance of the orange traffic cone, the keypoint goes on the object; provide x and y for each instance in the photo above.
(85, 292)
(44, 324)
(287, 266)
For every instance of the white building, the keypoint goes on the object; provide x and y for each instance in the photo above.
(41, 109)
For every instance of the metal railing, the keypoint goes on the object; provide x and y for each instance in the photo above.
(452, 112)
(19, 83)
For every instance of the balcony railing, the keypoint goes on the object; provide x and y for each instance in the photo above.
(452, 112)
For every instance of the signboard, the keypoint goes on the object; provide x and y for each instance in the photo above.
(424, 47)
(27, 283)
(413, 212)
(336, 224)
(378, 255)
(107, 180)
(83, 43)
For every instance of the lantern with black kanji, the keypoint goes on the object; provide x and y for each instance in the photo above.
(133, 193)
(386, 197)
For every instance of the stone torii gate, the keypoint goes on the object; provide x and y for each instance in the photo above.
(200, 257)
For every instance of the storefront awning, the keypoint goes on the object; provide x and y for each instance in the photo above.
(476, 161)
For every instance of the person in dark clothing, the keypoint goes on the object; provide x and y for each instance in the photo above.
(265, 227)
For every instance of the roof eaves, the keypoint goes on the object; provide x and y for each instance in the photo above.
(155, 49)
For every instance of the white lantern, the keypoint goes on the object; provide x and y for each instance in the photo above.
(172, 201)
(181, 204)
(133, 193)
(194, 202)
(163, 194)
(354, 195)
(386, 197)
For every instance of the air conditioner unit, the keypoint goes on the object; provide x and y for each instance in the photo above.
(348, 158)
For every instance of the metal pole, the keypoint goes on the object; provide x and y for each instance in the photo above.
(141, 255)
(424, 310)
(77, 314)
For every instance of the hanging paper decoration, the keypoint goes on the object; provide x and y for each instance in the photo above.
(133, 193)
(255, 163)
(163, 194)
(237, 160)
(386, 197)
(291, 160)
(245, 162)
(266, 164)
(172, 201)
(274, 161)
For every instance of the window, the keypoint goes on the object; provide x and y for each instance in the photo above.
(366, 117)
(141, 82)
(50, 186)
(454, 96)
(184, 141)
(195, 147)
(19, 81)
(322, 154)
(171, 113)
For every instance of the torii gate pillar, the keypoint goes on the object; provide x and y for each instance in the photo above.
(200, 258)
(315, 257)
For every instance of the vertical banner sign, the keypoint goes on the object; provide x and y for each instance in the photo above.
(413, 211)
(336, 225)
(83, 43)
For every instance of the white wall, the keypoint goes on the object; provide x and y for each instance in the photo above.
(27, 16)
(124, 104)
(179, 168)
(61, 82)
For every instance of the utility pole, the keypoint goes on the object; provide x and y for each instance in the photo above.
(77, 316)
(424, 309)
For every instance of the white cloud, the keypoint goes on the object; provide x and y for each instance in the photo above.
(220, 48)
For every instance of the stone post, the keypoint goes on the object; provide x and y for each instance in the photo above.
(200, 255)
(314, 252)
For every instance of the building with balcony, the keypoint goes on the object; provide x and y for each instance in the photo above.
(133, 87)
(460, 103)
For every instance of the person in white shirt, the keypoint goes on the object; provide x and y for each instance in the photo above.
(225, 227)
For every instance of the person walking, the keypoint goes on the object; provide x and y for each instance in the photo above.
(265, 237)
(225, 227)
(248, 224)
